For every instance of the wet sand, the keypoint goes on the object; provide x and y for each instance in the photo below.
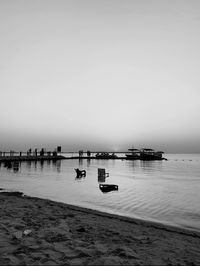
(35, 231)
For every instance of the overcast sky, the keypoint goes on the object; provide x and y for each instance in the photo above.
(100, 74)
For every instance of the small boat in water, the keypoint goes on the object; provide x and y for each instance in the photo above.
(108, 187)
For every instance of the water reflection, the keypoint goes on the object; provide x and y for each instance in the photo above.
(35, 165)
(80, 161)
(15, 166)
(41, 165)
(132, 163)
(28, 165)
(101, 179)
(147, 165)
(88, 162)
(8, 165)
(147, 189)
(56, 164)
(79, 178)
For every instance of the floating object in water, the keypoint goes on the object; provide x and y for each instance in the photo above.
(108, 187)
(102, 172)
(80, 173)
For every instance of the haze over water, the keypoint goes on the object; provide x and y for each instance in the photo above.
(162, 191)
(100, 74)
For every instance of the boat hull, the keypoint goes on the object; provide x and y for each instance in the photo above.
(150, 158)
(132, 157)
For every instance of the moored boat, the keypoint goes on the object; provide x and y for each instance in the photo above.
(144, 154)
(150, 154)
(134, 154)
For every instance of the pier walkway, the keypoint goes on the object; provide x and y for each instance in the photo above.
(95, 158)
(46, 157)
(30, 158)
(66, 156)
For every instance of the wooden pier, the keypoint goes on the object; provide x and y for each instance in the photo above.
(22, 156)
(93, 158)
(13, 156)
(30, 158)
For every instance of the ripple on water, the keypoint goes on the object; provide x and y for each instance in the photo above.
(164, 191)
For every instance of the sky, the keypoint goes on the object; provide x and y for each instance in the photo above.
(100, 75)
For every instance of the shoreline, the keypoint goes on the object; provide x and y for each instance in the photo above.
(120, 217)
(37, 231)
(153, 223)
(127, 219)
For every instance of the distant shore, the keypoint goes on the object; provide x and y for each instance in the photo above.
(36, 231)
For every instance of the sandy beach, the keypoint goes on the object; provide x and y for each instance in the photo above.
(36, 231)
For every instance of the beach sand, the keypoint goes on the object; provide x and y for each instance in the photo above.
(36, 231)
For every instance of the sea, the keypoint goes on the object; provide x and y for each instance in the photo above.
(165, 191)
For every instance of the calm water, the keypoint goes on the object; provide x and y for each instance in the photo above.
(163, 191)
